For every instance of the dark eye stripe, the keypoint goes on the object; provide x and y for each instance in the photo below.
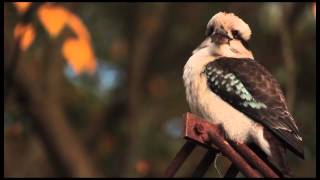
(236, 35)
(209, 31)
(245, 43)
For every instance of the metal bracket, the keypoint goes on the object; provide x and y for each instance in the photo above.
(198, 131)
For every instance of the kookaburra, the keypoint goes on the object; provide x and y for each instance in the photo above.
(227, 86)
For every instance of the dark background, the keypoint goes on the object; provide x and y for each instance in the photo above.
(124, 118)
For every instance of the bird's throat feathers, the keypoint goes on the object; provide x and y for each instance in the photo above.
(233, 50)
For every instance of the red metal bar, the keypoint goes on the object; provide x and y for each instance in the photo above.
(234, 157)
(205, 163)
(195, 129)
(254, 160)
(199, 130)
(180, 158)
(265, 159)
(204, 133)
(232, 171)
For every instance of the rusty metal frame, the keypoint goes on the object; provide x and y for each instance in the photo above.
(198, 131)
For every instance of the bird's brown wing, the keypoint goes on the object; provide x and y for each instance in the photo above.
(250, 88)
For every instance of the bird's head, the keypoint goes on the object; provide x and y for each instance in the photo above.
(227, 35)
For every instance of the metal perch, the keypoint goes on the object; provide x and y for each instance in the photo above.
(200, 132)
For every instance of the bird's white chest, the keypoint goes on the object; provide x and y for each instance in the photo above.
(206, 104)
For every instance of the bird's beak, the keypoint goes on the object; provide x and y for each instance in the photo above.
(220, 36)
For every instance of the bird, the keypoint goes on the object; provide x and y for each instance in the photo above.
(227, 86)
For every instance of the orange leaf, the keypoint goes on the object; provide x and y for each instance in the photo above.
(77, 51)
(26, 33)
(77, 26)
(18, 30)
(79, 55)
(22, 7)
(53, 18)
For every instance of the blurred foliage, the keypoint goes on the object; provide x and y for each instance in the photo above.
(114, 70)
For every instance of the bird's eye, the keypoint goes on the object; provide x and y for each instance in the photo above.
(209, 31)
(236, 34)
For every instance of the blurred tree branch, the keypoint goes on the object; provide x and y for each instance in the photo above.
(289, 17)
(95, 128)
(39, 96)
(149, 22)
(44, 108)
(15, 50)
